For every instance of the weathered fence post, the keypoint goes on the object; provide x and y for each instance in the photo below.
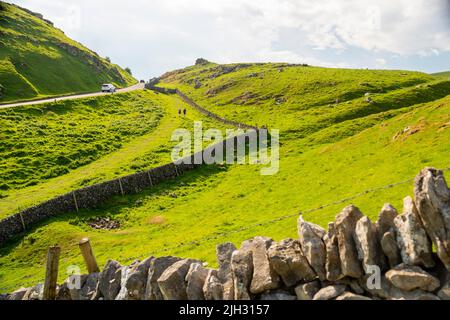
(51, 273)
(88, 255)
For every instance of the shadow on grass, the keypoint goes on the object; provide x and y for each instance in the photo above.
(115, 205)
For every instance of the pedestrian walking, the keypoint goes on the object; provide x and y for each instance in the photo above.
(184, 112)
(179, 112)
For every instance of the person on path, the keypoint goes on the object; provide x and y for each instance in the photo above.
(179, 112)
(184, 112)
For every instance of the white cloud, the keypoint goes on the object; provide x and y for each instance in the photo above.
(153, 36)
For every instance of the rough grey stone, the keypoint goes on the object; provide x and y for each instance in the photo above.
(287, 259)
(264, 277)
(345, 230)
(109, 280)
(329, 292)
(224, 274)
(352, 296)
(213, 288)
(155, 270)
(432, 199)
(333, 261)
(409, 278)
(195, 280)
(242, 270)
(310, 237)
(306, 291)
(415, 247)
(172, 282)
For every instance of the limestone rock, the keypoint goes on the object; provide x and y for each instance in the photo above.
(345, 231)
(390, 249)
(310, 236)
(408, 278)
(134, 281)
(155, 270)
(288, 261)
(242, 271)
(213, 288)
(37, 293)
(264, 277)
(329, 292)
(415, 247)
(195, 280)
(63, 293)
(306, 291)
(278, 295)
(18, 294)
(86, 287)
(397, 294)
(109, 280)
(351, 296)
(385, 220)
(224, 274)
(333, 261)
(432, 199)
(367, 243)
(172, 282)
(444, 292)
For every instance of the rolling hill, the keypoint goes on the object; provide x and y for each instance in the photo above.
(38, 60)
(342, 132)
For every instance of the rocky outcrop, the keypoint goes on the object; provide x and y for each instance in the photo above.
(354, 260)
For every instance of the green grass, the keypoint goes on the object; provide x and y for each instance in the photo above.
(43, 142)
(445, 75)
(38, 60)
(328, 152)
(47, 150)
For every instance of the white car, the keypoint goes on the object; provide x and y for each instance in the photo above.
(107, 87)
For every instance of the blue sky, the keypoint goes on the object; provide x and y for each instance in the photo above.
(152, 37)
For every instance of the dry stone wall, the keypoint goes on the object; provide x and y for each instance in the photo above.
(93, 196)
(356, 259)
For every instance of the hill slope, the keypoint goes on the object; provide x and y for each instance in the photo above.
(37, 59)
(330, 150)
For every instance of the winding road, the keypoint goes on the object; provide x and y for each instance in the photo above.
(137, 86)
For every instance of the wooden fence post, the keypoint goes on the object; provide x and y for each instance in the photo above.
(88, 255)
(51, 273)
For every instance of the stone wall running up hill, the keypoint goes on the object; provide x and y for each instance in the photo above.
(95, 195)
(355, 259)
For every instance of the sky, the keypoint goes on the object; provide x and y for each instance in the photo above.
(155, 36)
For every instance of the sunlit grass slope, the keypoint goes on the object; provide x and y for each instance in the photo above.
(37, 59)
(47, 150)
(317, 169)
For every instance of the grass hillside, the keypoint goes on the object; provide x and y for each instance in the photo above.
(38, 60)
(335, 143)
(445, 75)
(49, 149)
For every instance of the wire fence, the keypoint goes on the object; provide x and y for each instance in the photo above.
(275, 220)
